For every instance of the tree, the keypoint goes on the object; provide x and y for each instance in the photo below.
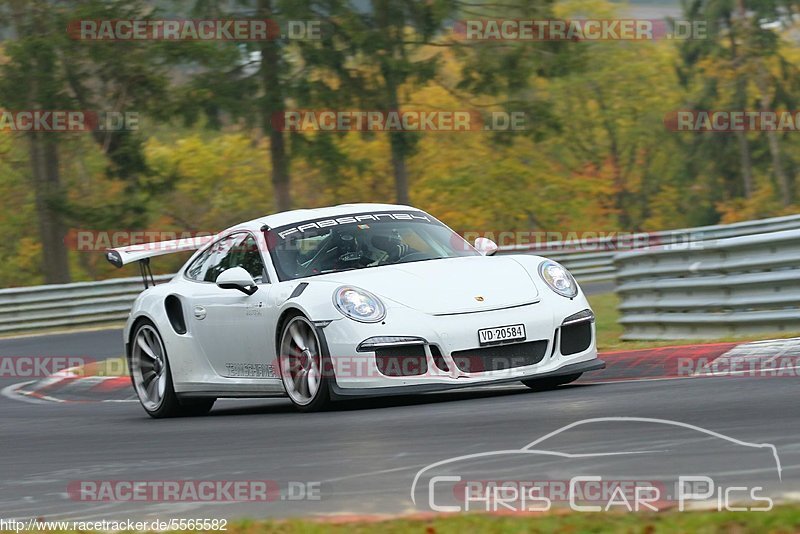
(741, 65)
(385, 40)
(32, 64)
(255, 81)
(47, 70)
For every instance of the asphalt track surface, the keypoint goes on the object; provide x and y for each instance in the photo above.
(363, 456)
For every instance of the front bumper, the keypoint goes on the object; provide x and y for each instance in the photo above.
(573, 368)
(358, 374)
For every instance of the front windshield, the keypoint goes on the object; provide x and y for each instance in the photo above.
(360, 241)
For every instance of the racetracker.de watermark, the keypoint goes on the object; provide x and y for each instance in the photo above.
(721, 121)
(193, 490)
(327, 120)
(67, 121)
(579, 29)
(586, 241)
(84, 240)
(41, 366)
(193, 30)
(744, 366)
(144, 240)
(405, 364)
(120, 525)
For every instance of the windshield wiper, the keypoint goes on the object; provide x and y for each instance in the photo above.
(421, 259)
(328, 271)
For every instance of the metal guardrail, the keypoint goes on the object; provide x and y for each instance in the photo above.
(60, 305)
(591, 260)
(711, 289)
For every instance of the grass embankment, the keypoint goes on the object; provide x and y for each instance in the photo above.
(782, 519)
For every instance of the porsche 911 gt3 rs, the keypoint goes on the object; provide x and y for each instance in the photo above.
(348, 301)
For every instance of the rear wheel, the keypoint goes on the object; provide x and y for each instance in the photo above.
(301, 362)
(543, 384)
(152, 378)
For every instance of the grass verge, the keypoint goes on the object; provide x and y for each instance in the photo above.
(781, 519)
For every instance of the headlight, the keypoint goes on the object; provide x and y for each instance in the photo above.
(359, 305)
(558, 278)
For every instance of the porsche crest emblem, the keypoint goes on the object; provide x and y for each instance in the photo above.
(479, 298)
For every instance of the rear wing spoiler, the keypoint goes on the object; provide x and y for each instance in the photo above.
(121, 256)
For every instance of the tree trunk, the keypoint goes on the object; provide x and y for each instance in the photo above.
(271, 66)
(280, 171)
(620, 183)
(741, 101)
(48, 200)
(773, 141)
(746, 163)
(777, 166)
(397, 140)
(399, 167)
(745, 159)
(43, 150)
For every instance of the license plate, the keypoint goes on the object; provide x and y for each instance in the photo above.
(501, 334)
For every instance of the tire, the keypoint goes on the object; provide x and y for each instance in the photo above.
(301, 363)
(151, 377)
(544, 384)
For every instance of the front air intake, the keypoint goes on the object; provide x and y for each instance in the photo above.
(407, 360)
(438, 359)
(500, 357)
(576, 338)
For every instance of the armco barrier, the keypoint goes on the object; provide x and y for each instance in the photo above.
(62, 305)
(592, 260)
(711, 289)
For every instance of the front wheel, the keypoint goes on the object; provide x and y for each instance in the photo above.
(152, 378)
(301, 362)
(543, 384)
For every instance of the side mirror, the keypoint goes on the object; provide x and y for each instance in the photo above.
(237, 278)
(486, 246)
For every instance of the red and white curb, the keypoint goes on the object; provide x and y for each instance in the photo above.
(773, 358)
(69, 386)
(776, 357)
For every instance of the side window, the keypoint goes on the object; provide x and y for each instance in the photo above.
(245, 254)
(238, 250)
(209, 264)
(221, 257)
(197, 269)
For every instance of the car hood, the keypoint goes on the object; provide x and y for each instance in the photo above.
(448, 286)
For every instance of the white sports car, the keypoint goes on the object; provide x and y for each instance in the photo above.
(346, 301)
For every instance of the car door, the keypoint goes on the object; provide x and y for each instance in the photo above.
(233, 328)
